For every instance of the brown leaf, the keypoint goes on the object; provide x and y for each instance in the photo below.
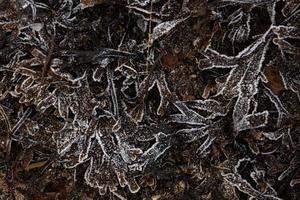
(275, 81)
(36, 165)
(209, 88)
(170, 59)
(93, 2)
(179, 187)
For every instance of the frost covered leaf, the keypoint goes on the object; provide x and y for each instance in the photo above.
(153, 153)
(216, 108)
(65, 138)
(295, 162)
(164, 28)
(290, 7)
(276, 134)
(245, 187)
(202, 150)
(127, 118)
(144, 2)
(275, 79)
(286, 46)
(254, 121)
(192, 134)
(294, 182)
(256, 2)
(283, 32)
(244, 77)
(92, 2)
(99, 175)
(216, 60)
(187, 115)
(278, 104)
(102, 56)
(240, 23)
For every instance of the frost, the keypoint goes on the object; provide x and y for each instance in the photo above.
(187, 115)
(216, 108)
(278, 104)
(153, 153)
(254, 121)
(245, 187)
(205, 145)
(276, 134)
(112, 105)
(34, 5)
(293, 166)
(290, 7)
(242, 81)
(190, 135)
(164, 28)
(250, 1)
(240, 23)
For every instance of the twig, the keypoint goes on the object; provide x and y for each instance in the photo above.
(14, 130)
(8, 133)
(48, 58)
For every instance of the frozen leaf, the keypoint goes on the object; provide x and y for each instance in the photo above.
(250, 1)
(89, 3)
(214, 107)
(164, 28)
(294, 182)
(153, 153)
(245, 187)
(112, 88)
(293, 166)
(99, 175)
(275, 79)
(100, 56)
(65, 138)
(278, 104)
(240, 26)
(284, 32)
(254, 121)
(187, 115)
(276, 134)
(286, 46)
(290, 7)
(205, 145)
(192, 134)
(217, 60)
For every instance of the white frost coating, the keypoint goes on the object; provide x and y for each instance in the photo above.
(254, 121)
(187, 115)
(205, 145)
(272, 12)
(286, 32)
(255, 45)
(242, 185)
(250, 1)
(278, 104)
(164, 28)
(285, 46)
(67, 136)
(192, 134)
(277, 134)
(161, 145)
(216, 108)
(240, 23)
(292, 167)
(37, 26)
